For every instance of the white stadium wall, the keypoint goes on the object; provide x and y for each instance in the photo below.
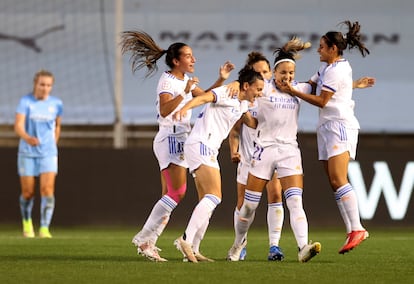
(75, 40)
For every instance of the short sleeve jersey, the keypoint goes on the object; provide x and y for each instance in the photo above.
(278, 115)
(216, 119)
(170, 84)
(336, 78)
(40, 122)
(247, 134)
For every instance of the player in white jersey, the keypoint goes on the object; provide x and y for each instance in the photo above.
(37, 123)
(276, 148)
(241, 143)
(337, 132)
(220, 113)
(175, 88)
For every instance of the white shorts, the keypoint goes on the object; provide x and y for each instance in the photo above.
(334, 139)
(243, 169)
(198, 154)
(170, 151)
(284, 158)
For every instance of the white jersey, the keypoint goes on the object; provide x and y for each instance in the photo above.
(337, 78)
(216, 119)
(168, 83)
(278, 116)
(247, 134)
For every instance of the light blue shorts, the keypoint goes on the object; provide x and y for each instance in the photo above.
(34, 166)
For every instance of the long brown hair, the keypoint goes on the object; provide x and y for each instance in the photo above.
(352, 39)
(290, 50)
(145, 52)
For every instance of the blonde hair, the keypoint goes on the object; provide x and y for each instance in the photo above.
(42, 73)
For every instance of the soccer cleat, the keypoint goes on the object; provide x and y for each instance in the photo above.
(353, 239)
(185, 249)
(307, 252)
(28, 231)
(243, 254)
(148, 249)
(235, 251)
(199, 257)
(44, 233)
(275, 253)
(202, 258)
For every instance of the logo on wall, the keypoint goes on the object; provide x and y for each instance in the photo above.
(246, 41)
(397, 201)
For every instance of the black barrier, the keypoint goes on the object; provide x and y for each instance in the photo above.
(119, 187)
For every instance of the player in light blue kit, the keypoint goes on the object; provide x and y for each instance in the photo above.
(37, 123)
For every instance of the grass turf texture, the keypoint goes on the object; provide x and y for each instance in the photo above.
(106, 255)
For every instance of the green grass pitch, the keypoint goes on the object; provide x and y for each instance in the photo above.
(106, 255)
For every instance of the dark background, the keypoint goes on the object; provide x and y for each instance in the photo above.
(106, 186)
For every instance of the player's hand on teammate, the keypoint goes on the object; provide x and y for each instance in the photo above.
(179, 115)
(235, 157)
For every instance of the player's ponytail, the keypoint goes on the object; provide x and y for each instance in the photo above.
(290, 51)
(145, 52)
(350, 40)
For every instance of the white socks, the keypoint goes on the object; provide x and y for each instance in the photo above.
(298, 220)
(236, 224)
(275, 216)
(158, 219)
(246, 214)
(200, 217)
(348, 207)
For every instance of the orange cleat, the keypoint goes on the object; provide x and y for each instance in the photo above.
(353, 239)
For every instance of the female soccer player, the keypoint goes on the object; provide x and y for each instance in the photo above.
(276, 148)
(202, 146)
(37, 123)
(241, 142)
(337, 132)
(175, 89)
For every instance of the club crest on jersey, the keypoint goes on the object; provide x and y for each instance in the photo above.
(166, 85)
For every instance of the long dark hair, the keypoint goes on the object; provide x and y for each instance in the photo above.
(352, 39)
(145, 52)
(247, 74)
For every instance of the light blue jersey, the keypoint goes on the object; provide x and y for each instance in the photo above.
(40, 123)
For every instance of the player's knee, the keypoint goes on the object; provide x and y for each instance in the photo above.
(177, 194)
